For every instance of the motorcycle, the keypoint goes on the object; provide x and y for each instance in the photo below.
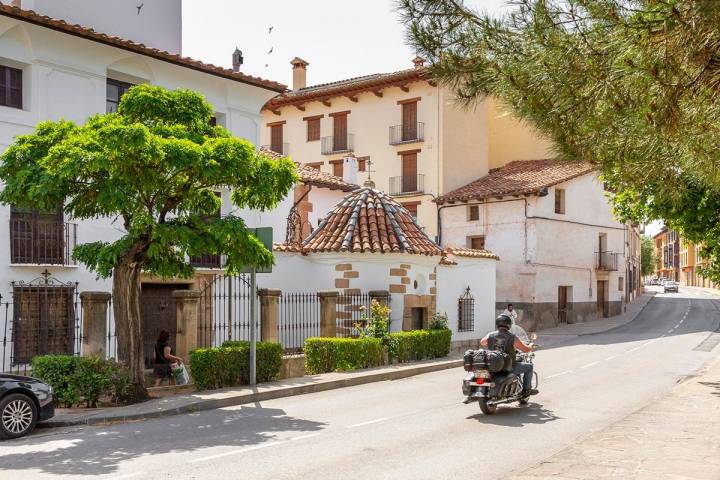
(491, 389)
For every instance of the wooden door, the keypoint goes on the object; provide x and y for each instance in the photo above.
(409, 121)
(276, 139)
(409, 172)
(340, 133)
(562, 304)
(157, 312)
(603, 304)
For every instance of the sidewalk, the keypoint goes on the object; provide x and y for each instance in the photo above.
(676, 437)
(556, 335)
(211, 399)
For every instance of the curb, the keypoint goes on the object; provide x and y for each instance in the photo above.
(212, 404)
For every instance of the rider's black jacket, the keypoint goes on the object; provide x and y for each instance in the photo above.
(503, 341)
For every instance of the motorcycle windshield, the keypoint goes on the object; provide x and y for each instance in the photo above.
(520, 333)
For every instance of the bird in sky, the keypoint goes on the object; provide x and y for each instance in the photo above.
(139, 7)
(270, 29)
(270, 51)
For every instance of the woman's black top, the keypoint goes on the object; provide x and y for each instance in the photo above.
(160, 353)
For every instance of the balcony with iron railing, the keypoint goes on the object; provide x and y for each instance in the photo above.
(337, 144)
(407, 184)
(407, 133)
(36, 241)
(281, 149)
(607, 261)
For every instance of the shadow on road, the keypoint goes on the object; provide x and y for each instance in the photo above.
(93, 451)
(512, 416)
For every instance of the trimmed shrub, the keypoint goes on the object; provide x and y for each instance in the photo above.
(420, 344)
(77, 380)
(228, 365)
(330, 354)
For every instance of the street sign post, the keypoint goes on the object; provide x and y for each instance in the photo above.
(265, 235)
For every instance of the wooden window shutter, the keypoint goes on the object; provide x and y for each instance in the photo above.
(409, 172)
(276, 138)
(338, 169)
(477, 243)
(473, 213)
(340, 133)
(313, 129)
(409, 121)
(362, 163)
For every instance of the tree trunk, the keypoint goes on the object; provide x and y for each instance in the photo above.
(126, 310)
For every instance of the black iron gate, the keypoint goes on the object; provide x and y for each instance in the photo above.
(224, 309)
(42, 317)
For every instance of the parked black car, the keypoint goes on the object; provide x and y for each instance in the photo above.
(24, 401)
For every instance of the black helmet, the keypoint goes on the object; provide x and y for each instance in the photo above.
(503, 321)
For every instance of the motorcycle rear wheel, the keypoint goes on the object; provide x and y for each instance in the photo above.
(485, 408)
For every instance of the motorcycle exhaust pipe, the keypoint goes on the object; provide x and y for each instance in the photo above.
(503, 400)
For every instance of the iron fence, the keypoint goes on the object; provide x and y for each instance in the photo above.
(42, 317)
(299, 318)
(406, 184)
(337, 144)
(224, 310)
(407, 133)
(353, 308)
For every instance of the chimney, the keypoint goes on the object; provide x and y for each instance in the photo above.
(299, 73)
(350, 169)
(418, 61)
(237, 59)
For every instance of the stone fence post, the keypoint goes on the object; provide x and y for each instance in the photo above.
(94, 328)
(186, 307)
(269, 313)
(328, 312)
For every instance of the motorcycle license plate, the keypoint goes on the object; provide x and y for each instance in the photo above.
(482, 374)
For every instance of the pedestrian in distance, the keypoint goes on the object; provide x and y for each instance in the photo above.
(164, 359)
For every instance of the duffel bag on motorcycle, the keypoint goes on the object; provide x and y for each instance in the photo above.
(490, 360)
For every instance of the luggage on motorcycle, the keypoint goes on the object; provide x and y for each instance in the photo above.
(491, 360)
(468, 359)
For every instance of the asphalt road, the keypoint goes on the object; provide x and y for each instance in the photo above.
(415, 428)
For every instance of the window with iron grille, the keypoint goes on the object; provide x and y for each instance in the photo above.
(115, 90)
(466, 312)
(10, 87)
(37, 237)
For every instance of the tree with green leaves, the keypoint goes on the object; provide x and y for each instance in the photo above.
(153, 167)
(630, 85)
(647, 256)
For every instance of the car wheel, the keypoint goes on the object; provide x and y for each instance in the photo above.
(18, 415)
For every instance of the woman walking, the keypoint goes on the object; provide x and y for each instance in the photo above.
(164, 359)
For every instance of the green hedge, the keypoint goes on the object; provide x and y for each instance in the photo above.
(227, 365)
(78, 380)
(331, 354)
(419, 344)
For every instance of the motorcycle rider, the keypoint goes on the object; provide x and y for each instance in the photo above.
(503, 340)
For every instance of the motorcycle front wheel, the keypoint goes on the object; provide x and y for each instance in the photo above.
(485, 408)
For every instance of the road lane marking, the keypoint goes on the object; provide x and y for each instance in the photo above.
(303, 437)
(589, 365)
(377, 420)
(634, 349)
(127, 475)
(558, 374)
(611, 357)
(241, 450)
(648, 343)
(670, 331)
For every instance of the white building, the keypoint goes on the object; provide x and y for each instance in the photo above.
(370, 243)
(563, 256)
(52, 69)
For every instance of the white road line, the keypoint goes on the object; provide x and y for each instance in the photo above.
(611, 357)
(241, 450)
(676, 326)
(127, 475)
(589, 365)
(648, 343)
(303, 437)
(558, 374)
(670, 331)
(377, 420)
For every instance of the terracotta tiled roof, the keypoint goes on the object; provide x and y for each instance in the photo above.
(471, 253)
(367, 221)
(90, 34)
(312, 176)
(523, 177)
(351, 86)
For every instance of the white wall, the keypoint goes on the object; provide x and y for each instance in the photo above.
(546, 250)
(158, 25)
(479, 275)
